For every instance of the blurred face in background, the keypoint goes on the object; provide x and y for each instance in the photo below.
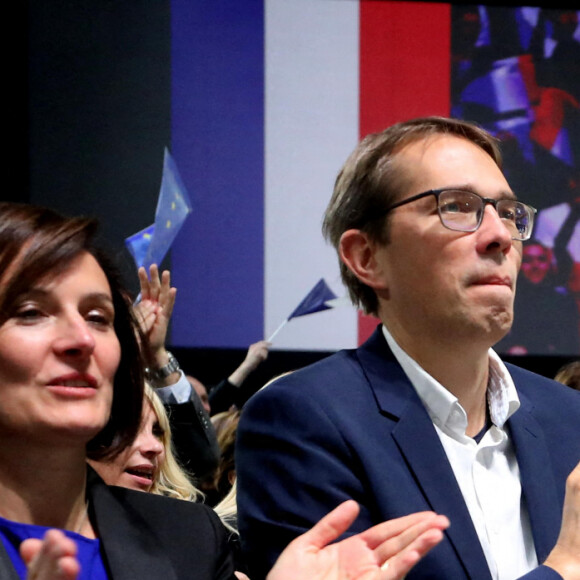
(201, 391)
(138, 466)
(536, 262)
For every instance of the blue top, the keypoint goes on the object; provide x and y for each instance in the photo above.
(12, 534)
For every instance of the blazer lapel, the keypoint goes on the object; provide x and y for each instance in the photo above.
(130, 545)
(419, 443)
(538, 485)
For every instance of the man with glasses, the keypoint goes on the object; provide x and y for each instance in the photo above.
(424, 415)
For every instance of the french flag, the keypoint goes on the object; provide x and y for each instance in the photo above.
(269, 97)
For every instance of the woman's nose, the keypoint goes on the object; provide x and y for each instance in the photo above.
(75, 337)
(151, 446)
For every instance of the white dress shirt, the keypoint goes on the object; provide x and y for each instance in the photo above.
(178, 393)
(487, 472)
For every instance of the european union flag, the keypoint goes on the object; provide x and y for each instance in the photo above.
(152, 244)
(138, 244)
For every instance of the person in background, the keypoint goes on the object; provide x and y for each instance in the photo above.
(185, 397)
(193, 434)
(226, 394)
(201, 391)
(569, 375)
(424, 415)
(218, 487)
(71, 388)
(553, 329)
(149, 463)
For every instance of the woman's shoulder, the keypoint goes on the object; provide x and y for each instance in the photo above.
(158, 509)
(188, 534)
(151, 503)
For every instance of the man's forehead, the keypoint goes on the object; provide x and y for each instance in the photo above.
(422, 146)
(444, 160)
(417, 153)
(408, 161)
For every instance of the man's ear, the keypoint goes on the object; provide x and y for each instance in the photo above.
(359, 254)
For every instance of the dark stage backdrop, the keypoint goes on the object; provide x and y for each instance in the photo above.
(98, 111)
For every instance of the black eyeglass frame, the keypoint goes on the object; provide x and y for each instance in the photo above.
(486, 200)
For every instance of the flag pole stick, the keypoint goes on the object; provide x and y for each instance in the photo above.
(277, 330)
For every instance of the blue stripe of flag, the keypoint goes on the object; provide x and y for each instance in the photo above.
(218, 144)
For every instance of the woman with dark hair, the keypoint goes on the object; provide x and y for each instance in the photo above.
(37, 245)
(71, 385)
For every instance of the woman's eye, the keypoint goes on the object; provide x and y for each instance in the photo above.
(100, 318)
(158, 431)
(29, 314)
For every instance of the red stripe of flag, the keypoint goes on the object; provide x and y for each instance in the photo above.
(404, 71)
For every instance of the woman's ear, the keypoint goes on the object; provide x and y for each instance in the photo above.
(360, 256)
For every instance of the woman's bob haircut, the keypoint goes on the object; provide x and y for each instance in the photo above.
(37, 244)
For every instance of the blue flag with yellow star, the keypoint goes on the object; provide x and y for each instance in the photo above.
(149, 246)
(138, 244)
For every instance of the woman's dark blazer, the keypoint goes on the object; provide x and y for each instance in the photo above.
(149, 536)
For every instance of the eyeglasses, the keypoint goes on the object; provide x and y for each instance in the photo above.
(462, 211)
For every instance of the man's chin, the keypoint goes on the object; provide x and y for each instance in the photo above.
(500, 323)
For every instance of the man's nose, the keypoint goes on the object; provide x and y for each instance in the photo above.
(494, 234)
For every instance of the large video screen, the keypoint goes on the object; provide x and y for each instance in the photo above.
(516, 71)
(268, 99)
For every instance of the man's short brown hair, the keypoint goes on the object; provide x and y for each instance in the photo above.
(369, 182)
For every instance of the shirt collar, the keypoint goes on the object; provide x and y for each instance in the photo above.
(443, 407)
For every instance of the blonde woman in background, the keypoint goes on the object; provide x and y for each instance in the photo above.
(149, 464)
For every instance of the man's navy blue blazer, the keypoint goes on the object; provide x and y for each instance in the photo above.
(352, 427)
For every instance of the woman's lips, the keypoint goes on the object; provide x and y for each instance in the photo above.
(74, 380)
(141, 475)
(76, 385)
